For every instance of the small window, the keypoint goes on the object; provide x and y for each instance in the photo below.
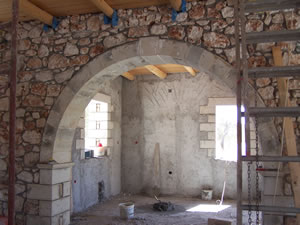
(98, 107)
(226, 133)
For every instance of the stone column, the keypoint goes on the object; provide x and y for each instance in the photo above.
(53, 194)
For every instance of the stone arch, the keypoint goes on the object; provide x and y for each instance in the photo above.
(82, 87)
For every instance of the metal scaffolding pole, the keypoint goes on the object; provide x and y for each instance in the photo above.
(12, 115)
(239, 116)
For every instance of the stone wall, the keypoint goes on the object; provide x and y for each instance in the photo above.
(48, 60)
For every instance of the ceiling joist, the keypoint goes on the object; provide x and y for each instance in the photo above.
(35, 12)
(153, 69)
(176, 4)
(128, 75)
(190, 70)
(104, 7)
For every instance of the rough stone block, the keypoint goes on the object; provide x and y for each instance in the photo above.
(55, 176)
(203, 135)
(203, 118)
(219, 222)
(53, 208)
(207, 144)
(79, 144)
(207, 109)
(43, 192)
(66, 189)
(211, 135)
(211, 152)
(211, 119)
(207, 127)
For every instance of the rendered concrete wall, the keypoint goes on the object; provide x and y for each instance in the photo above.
(168, 112)
(88, 173)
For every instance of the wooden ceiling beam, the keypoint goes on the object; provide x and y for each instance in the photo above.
(190, 70)
(35, 12)
(153, 69)
(128, 75)
(104, 7)
(176, 4)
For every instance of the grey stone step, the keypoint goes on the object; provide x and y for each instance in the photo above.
(275, 71)
(272, 36)
(269, 5)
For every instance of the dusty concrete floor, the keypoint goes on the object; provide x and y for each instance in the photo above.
(107, 213)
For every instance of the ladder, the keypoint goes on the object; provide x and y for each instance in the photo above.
(241, 7)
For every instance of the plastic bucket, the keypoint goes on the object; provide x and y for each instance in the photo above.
(206, 195)
(126, 210)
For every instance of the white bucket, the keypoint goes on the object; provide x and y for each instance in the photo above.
(126, 210)
(206, 194)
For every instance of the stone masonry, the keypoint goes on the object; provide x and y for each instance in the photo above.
(48, 61)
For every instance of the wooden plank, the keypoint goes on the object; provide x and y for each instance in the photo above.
(176, 4)
(75, 7)
(190, 70)
(35, 12)
(167, 68)
(104, 7)
(128, 75)
(156, 71)
(218, 222)
(289, 132)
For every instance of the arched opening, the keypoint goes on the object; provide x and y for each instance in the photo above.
(62, 122)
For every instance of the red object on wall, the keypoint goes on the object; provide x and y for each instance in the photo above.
(100, 145)
(3, 220)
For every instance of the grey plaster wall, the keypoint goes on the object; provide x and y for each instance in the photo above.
(88, 173)
(167, 112)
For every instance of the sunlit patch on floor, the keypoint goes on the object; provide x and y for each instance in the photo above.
(208, 208)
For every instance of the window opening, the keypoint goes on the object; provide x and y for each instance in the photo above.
(226, 132)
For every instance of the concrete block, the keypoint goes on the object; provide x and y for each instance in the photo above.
(203, 118)
(66, 189)
(211, 152)
(38, 220)
(207, 144)
(43, 192)
(81, 123)
(211, 135)
(203, 135)
(55, 176)
(211, 118)
(207, 127)
(82, 133)
(82, 154)
(61, 219)
(219, 222)
(79, 144)
(207, 109)
(53, 208)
